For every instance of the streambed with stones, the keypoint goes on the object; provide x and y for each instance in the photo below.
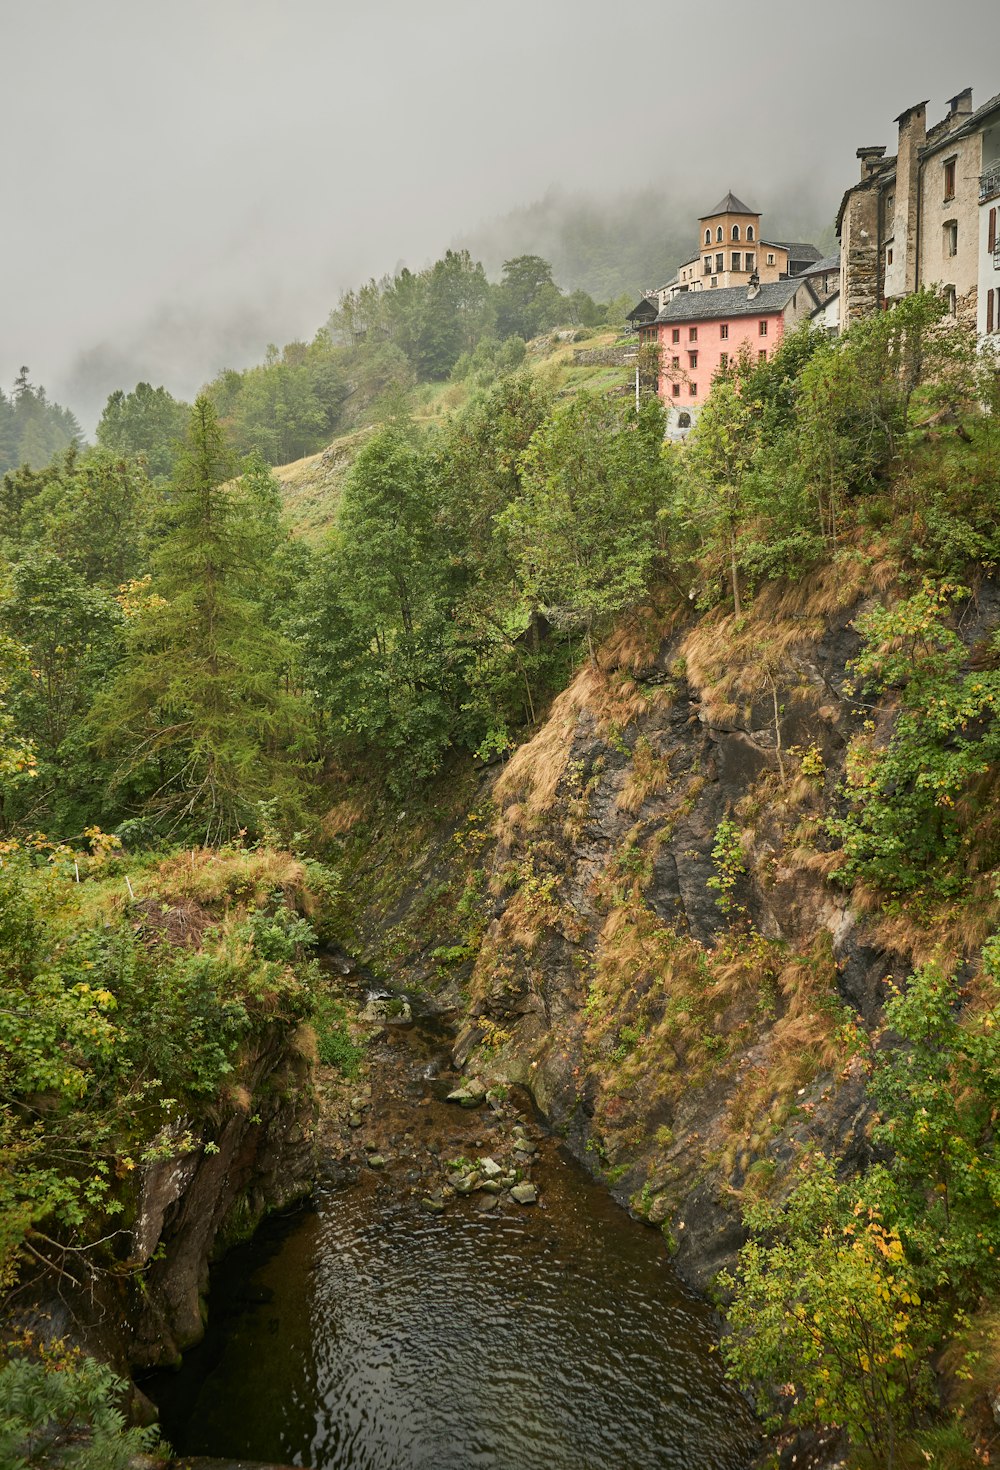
(458, 1294)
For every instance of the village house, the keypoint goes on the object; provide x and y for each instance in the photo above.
(739, 291)
(700, 333)
(922, 216)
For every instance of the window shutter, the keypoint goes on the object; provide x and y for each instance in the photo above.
(993, 231)
(989, 311)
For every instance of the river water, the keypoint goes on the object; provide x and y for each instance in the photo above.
(367, 1333)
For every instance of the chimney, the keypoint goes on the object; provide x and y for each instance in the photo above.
(753, 287)
(961, 106)
(870, 159)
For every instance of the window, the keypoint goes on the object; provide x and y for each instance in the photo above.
(762, 329)
(708, 237)
(951, 237)
(737, 259)
(762, 355)
(724, 332)
(708, 265)
(718, 235)
(676, 390)
(749, 262)
(890, 206)
(749, 232)
(692, 334)
(991, 243)
(888, 260)
(949, 179)
(714, 281)
(989, 310)
(952, 299)
(675, 362)
(693, 389)
(720, 263)
(684, 419)
(736, 232)
(675, 335)
(770, 258)
(723, 360)
(692, 360)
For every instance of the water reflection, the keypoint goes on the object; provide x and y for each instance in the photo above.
(367, 1334)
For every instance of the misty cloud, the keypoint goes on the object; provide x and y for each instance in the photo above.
(184, 183)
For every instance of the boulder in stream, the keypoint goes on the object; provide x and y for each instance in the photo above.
(524, 1194)
(469, 1095)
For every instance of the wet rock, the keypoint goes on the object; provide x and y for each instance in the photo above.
(490, 1169)
(467, 1184)
(354, 1121)
(376, 1161)
(469, 1095)
(658, 1210)
(489, 1186)
(433, 1204)
(524, 1194)
(487, 1204)
(384, 1010)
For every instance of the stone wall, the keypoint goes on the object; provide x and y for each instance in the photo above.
(604, 356)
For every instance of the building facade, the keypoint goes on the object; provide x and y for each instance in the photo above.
(699, 333)
(915, 219)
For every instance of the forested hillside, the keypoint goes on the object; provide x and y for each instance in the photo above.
(32, 429)
(673, 769)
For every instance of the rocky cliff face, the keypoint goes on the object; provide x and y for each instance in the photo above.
(662, 955)
(253, 1152)
(192, 1207)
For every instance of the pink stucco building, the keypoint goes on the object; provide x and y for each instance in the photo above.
(699, 332)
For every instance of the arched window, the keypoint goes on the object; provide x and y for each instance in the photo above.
(749, 232)
(736, 232)
(718, 233)
(708, 237)
(684, 420)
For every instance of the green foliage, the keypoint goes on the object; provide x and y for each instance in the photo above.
(199, 717)
(336, 1046)
(587, 527)
(66, 1412)
(70, 633)
(109, 1036)
(907, 827)
(729, 861)
(33, 430)
(148, 422)
(938, 1093)
(828, 1323)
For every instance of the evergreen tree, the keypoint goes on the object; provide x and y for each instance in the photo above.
(199, 718)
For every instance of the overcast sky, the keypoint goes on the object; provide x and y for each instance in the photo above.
(184, 179)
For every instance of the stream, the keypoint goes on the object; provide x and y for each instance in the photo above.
(396, 1323)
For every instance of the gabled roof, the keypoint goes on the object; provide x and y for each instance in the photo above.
(799, 250)
(969, 125)
(729, 301)
(730, 205)
(645, 309)
(820, 267)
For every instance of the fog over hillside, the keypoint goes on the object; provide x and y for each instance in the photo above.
(191, 181)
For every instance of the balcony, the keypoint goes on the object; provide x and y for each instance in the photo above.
(989, 183)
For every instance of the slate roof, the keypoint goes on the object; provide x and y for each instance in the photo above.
(818, 267)
(729, 301)
(968, 125)
(799, 250)
(644, 310)
(730, 205)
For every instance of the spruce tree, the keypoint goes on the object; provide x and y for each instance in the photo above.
(199, 716)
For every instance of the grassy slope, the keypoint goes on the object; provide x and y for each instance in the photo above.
(312, 486)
